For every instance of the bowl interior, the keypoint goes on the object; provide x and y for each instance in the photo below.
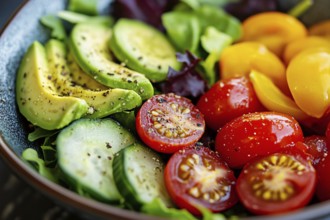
(14, 41)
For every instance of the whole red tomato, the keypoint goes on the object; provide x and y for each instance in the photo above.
(256, 134)
(228, 99)
(323, 179)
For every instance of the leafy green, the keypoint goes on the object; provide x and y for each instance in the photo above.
(41, 133)
(158, 208)
(31, 157)
(208, 215)
(213, 42)
(56, 26)
(126, 119)
(88, 7)
(183, 29)
(194, 4)
(50, 156)
(74, 18)
(216, 17)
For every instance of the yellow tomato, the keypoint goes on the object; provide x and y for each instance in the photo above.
(240, 59)
(274, 29)
(273, 98)
(295, 47)
(308, 76)
(320, 29)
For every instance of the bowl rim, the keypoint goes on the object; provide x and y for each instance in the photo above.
(94, 208)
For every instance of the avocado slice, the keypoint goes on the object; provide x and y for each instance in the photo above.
(36, 95)
(89, 44)
(81, 78)
(102, 102)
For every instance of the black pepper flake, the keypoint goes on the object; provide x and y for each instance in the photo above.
(111, 74)
(49, 77)
(24, 75)
(109, 158)
(105, 94)
(199, 125)
(159, 67)
(83, 37)
(88, 154)
(140, 58)
(99, 156)
(129, 81)
(108, 145)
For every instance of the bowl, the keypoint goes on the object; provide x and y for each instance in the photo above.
(19, 33)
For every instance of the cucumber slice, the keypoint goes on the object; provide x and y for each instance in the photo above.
(143, 48)
(138, 173)
(89, 45)
(85, 150)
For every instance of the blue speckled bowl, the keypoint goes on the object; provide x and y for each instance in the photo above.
(25, 28)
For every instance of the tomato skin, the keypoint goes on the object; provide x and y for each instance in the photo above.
(228, 99)
(323, 179)
(276, 183)
(256, 134)
(168, 123)
(317, 147)
(209, 165)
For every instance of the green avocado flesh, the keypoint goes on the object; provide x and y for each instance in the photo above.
(36, 96)
(101, 102)
(89, 44)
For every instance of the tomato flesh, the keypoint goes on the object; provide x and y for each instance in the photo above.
(276, 183)
(256, 134)
(197, 176)
(228, 99)
(168, 123)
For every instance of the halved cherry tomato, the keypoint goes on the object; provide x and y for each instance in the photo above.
(276, 183)
(228, 99)
(317, 147)
(197, 176)
(323, 179)
(273, 29)
(168, 123)
(240, 59)
(308, 76)
(295, 47)
(256, 134)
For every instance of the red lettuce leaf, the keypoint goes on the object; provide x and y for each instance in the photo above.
(186, 82)
(148, 11)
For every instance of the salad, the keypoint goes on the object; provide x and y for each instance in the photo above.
(185, 109)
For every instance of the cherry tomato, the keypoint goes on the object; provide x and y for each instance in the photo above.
(168, 123)
(240, 59)
(323, 179)
(256, 134)
(197, 176)
(273, 29)
(228, 99)
(317, 147)
(276, 183)
(295, 47)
